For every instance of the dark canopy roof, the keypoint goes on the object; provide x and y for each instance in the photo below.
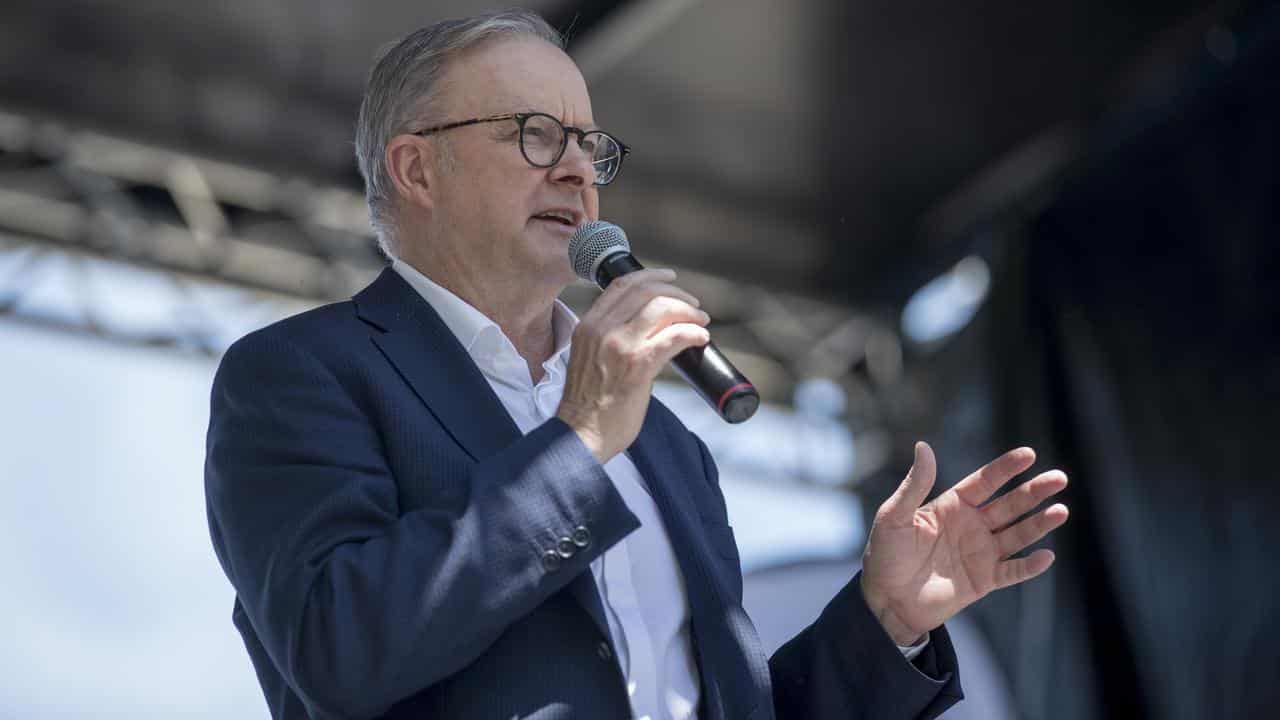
(818, 146)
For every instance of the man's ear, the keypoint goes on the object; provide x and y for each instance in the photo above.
(409, 163)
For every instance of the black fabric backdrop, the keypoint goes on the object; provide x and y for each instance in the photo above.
(1133, 338)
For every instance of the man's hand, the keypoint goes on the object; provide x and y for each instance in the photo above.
(621, 344)
(924, 564)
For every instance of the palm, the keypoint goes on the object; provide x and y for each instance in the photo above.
(923, 564)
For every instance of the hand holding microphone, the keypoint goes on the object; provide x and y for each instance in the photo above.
(638, 324)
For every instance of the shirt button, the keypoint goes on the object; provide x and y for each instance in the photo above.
(551, 560)
(581, 536)
(604, 652)
(566, 548)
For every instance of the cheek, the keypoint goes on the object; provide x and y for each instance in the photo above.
(500, 200)
(591, 204)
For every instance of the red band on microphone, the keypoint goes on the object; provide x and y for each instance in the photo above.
(725, 397)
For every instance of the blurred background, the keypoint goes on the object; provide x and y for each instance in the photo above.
(982, 224)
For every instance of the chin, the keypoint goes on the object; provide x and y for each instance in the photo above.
(553, 263)
(561, 273)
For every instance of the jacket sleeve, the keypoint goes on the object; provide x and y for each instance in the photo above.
(357, 604)
(846, 666)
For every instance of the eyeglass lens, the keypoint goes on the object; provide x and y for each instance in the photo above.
(543, 139)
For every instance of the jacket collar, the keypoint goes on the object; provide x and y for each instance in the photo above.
(482, 338)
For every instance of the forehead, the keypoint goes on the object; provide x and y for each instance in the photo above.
(514, 74)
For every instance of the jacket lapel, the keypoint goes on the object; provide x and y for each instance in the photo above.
(651, 454)
(428, 356)
(724, 639)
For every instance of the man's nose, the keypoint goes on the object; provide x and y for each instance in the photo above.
(575, 166)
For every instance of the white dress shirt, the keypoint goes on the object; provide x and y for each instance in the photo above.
(639, 578)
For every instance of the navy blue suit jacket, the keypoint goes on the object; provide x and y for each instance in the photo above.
(387, 530)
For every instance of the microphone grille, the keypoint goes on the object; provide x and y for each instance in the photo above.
(591, 244)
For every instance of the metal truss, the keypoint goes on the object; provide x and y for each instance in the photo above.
(211, 250)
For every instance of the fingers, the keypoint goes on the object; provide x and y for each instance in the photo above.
(984, 482)
(1012, 572)
(617, 289)
(1019, 501)
(639, 323)
(901, 506)
(628, 294)
(643, 305)
(1016, 537)
(673, 339)
(661, 312)
(619, 346)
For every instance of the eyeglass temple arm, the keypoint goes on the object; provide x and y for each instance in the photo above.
(464, 123)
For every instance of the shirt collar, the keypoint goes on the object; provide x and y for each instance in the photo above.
(482, 338)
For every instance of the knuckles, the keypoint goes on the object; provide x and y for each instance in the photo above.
(614, 345)
(663, 305)
(587, 332)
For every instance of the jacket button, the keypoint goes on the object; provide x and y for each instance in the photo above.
(581, 536)
(566, 548)
(551, 560)
(604, 652)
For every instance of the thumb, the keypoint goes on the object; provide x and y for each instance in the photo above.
(915, 487)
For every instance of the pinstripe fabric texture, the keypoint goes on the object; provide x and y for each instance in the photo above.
(388, 529)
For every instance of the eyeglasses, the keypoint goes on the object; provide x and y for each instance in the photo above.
(544, 138)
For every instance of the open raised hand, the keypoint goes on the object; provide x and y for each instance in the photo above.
(925, 563)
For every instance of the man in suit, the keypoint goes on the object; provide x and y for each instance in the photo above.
(449, 497)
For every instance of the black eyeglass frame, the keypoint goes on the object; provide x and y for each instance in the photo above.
(521, 119)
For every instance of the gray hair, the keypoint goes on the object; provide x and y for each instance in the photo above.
(402, 91)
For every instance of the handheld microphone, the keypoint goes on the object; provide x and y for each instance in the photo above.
(600, 253)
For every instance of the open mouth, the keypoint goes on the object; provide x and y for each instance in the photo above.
(557, 217)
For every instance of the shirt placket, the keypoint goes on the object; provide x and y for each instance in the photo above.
(622, 599)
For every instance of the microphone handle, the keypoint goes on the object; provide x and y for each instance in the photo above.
(726, 390)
